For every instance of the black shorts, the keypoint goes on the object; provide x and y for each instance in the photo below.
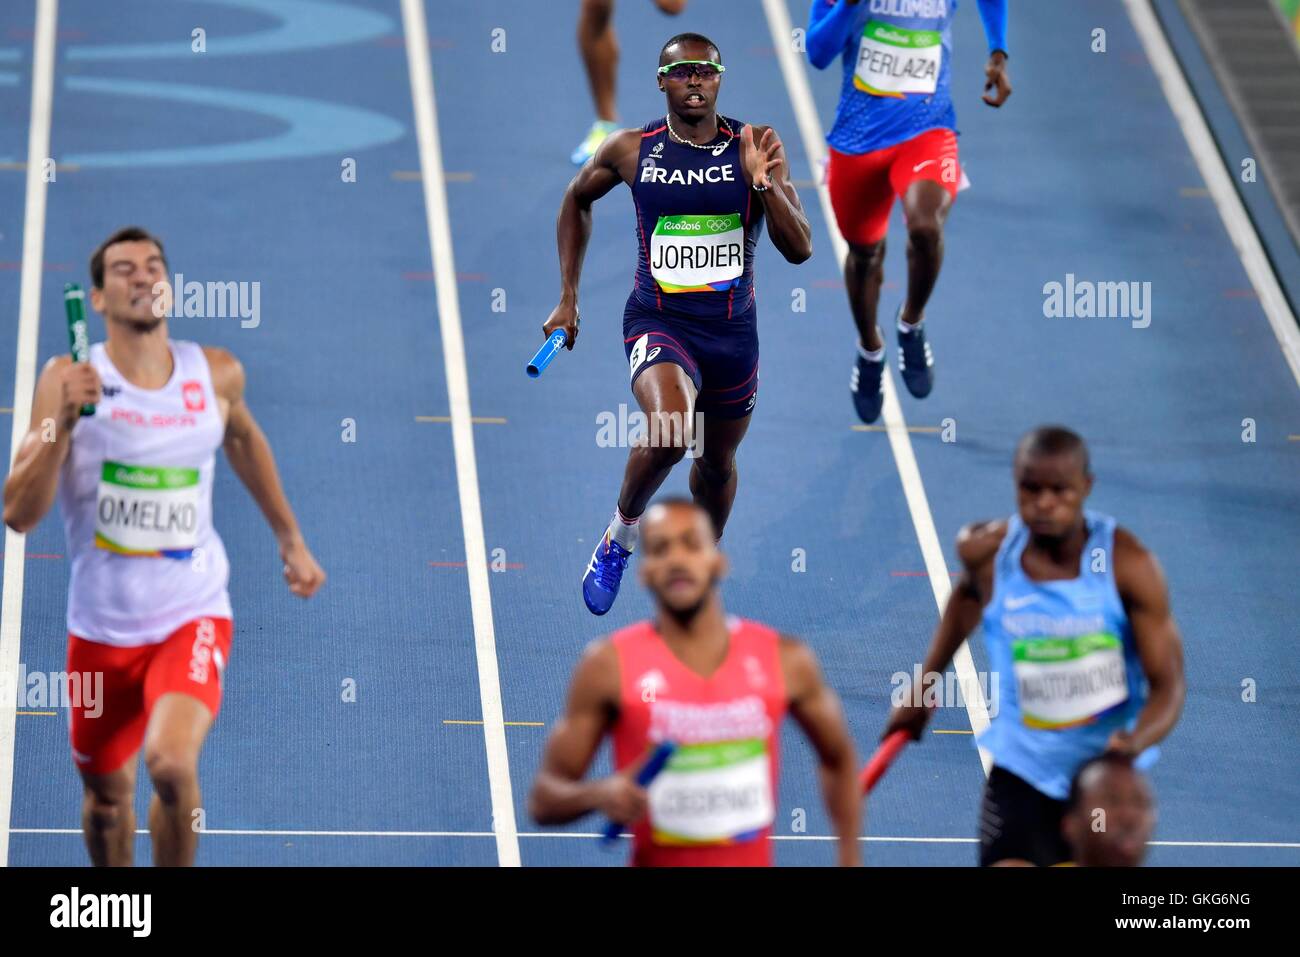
(719, 355)
(1019, 821)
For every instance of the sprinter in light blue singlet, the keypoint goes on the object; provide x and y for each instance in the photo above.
(1084, 656)
(1067, 661)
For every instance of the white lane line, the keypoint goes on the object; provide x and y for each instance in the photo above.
(462, 429)
(220, 832)
(814, 142)
(1208, 160)
(29, 311)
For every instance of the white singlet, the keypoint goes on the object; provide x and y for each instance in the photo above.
(136, 498)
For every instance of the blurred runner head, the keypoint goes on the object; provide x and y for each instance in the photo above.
(1110, 814)
(693, 75)
(680, 561)
(129, 283)
(1053, 479)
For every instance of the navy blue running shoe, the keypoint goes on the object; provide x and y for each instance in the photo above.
(867, 383)
(915, 361)
(604, 575)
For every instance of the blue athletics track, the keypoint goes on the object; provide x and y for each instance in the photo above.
(390, 173)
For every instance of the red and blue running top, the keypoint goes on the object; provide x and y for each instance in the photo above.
(896, 58)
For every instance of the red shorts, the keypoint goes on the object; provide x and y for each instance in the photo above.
(189, 661)
(863, 186)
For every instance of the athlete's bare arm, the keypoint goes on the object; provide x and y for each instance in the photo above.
(250, 456)
(1142, 589)
(763, 159)
(816, 707)
(613, 163)
(560, 792)
(62, 389)
(977, 545)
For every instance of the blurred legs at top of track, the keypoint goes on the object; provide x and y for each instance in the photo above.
(598, 45)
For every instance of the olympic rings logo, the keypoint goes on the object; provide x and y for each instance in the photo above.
(718, 225)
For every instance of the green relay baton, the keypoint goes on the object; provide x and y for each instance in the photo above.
(74, 304)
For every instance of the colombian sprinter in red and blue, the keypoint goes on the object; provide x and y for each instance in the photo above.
(703, 185)
(895, 135)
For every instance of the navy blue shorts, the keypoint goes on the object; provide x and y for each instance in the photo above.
(719, 355)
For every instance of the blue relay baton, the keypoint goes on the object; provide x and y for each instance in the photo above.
(649, 771)
(549, 350)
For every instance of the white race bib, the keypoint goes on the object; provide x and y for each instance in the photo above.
(895, 61)
(1063, 682)
(690, 253)
(146, 511)
(712, 793)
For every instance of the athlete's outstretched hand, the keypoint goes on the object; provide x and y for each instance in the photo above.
(760, 161)
(911, 718)
(564, 316)
(995, 76)
(301, 571)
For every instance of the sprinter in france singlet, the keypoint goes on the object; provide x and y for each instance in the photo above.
(697, 224)
(692, 301)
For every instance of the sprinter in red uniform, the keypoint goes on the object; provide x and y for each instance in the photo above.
(716, 686)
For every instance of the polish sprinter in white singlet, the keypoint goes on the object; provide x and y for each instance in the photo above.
(147, 601)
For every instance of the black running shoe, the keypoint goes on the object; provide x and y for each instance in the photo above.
(867, 383)
(915, 361)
